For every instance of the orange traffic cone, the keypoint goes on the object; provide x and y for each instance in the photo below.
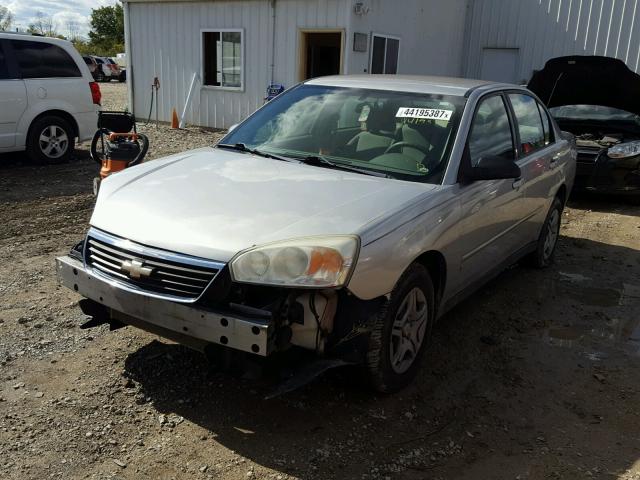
(174, 119)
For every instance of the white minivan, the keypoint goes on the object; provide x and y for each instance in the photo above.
(48, 98)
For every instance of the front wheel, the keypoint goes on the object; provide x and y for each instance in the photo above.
(401, 331)
(548, 239)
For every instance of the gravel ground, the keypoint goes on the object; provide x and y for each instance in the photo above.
(536, 376)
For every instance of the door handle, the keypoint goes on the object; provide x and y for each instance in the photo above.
(554, 161)
(517, 183)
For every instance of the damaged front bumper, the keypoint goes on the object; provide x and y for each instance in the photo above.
(596, 172)
(190, 324)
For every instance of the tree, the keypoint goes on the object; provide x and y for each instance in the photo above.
(84, 47)
(6, 18)
(107, 30)
(43, 25)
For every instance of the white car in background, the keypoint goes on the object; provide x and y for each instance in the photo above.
(48, 98)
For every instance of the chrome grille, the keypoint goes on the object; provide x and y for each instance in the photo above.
(152, 270)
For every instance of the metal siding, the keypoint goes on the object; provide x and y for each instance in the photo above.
(431, 34)
(543, 29)
(166, 42)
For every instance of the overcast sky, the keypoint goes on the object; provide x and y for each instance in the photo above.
(62, 11)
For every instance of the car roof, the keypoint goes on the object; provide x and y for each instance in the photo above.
(35, 38)
(407, 83)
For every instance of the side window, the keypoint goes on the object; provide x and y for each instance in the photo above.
(43, 60)
(4, 68)
(546, 124)
(529, 122)
(491, 132)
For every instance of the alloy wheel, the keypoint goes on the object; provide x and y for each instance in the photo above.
(53, 141)
(551, 237)
(408, 330)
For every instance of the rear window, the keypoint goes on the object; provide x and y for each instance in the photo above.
(43, 60)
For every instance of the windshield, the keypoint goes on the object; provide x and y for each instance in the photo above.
(403, 135)
(593, 112)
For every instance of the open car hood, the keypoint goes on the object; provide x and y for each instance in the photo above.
(587, 80)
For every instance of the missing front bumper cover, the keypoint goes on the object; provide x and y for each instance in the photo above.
(158, 315)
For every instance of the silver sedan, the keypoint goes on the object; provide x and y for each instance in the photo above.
(344, 217)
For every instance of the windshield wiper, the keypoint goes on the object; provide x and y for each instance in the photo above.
(323, 162)
(241, 147)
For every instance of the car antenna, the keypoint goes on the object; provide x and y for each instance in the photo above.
(553, 90)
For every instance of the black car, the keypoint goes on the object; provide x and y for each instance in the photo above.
(598, 100)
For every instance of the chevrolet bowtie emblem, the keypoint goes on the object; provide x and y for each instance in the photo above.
(136, 269)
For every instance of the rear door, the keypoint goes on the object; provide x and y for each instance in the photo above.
(490, 228)
(13, 99)
(537, 158)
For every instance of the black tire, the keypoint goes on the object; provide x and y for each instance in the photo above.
(383, 376)
(100, 77)
(542, 257)
(62, 141)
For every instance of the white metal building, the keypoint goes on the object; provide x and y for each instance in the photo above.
(236, 48)
(239, 47)
(508, 39)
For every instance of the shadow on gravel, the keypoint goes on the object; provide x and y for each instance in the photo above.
(605, 203)
(22, 181)
(499, 393)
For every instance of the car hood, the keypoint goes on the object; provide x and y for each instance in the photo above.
(212, 203)
(587, 80)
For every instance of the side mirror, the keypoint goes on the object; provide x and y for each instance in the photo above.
(494, 167)
(232, 128)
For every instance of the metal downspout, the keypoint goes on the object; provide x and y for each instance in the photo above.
(273, 40)
(127, 49)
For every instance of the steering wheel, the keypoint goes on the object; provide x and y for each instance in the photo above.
(396, 145)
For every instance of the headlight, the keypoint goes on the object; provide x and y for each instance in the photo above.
(624, 150)
(319, 262)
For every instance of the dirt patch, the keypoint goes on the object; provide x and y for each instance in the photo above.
(534, 377)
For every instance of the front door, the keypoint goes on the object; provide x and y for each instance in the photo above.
(320, 54)
(491, 209)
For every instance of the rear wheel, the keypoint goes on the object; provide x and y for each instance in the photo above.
(401, 331)
(51, 140)
(548, 239)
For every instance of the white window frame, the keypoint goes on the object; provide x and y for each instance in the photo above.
(385, 36)
(202, 59)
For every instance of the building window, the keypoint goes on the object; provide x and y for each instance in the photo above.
(222, 58)
(384, 54)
